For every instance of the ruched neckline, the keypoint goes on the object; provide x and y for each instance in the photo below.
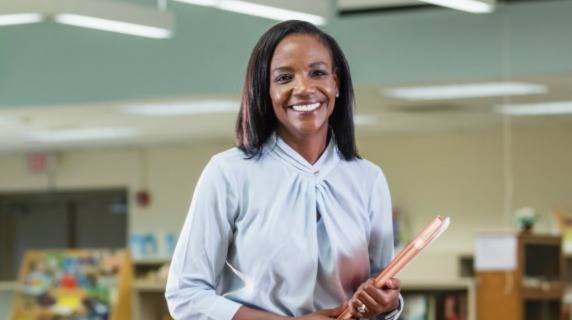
(326, 162)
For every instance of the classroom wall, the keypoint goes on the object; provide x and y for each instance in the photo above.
(458, 174)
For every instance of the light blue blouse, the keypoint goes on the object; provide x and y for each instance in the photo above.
(252, 236)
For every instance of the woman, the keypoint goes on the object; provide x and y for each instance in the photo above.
(291, 222)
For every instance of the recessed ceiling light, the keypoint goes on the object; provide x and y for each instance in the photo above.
(81, 134)
(535, 109)
(473, 90)
(183, 108)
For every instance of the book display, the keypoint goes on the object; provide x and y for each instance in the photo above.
(74, 284)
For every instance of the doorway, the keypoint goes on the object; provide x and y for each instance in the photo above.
(54, 220)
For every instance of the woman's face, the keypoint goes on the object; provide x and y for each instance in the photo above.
(303, 86)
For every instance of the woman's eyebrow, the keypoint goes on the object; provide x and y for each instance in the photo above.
(281, 69)
(318, 63)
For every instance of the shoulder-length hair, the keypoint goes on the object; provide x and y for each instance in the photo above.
(256, 120)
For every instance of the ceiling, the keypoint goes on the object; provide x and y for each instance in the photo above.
(377, 114)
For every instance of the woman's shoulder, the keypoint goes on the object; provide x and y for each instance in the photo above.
(227, 157)
(231, 159)
(364, 167)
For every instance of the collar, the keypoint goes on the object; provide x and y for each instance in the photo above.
(327, 160)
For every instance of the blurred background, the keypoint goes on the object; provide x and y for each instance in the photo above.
(105, 129)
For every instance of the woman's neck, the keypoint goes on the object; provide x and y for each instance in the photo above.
(310, 146)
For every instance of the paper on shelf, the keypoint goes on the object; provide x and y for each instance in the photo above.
(495, 252)
(431, 232)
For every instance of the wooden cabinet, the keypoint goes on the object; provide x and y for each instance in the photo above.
(532, 289)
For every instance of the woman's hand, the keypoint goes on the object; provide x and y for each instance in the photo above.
(369, 301)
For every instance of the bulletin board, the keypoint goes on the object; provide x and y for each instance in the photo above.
(74, 284)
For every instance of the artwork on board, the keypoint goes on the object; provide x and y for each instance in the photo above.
(69, 284)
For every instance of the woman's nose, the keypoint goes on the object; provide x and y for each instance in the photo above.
(303, 87)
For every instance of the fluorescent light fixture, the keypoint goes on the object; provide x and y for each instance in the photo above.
(108, 15)
(113, 26)
(473, 6)
(475, 90)
(82, 134)
(536, 109)
(20, 18)
(314, 11)
(269, 12)
(190, 108)
(206, 3)
(115, 16)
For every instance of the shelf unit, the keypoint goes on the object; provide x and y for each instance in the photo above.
(436, 276)
(532, 290)
(149, 293)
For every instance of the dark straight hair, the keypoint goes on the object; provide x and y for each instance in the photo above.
(256, 120)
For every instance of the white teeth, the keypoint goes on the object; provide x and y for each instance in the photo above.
(306, 107)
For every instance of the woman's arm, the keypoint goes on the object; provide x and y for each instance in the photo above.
(201, 251)
(245, 313)
(385, 303)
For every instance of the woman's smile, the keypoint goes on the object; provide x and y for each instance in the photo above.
(306, 107)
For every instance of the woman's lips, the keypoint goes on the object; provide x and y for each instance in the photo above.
(306, 107)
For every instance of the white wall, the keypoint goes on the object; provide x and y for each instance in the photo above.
(461, 175)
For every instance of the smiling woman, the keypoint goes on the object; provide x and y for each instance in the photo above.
(291, 222)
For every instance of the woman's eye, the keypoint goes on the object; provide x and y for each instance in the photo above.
(283, 78)
(319, 73)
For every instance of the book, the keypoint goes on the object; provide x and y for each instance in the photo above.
(431, 232)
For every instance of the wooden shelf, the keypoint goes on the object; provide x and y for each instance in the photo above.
(150, 286)
(152, 261)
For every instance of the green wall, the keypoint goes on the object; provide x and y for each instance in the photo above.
(56, 64)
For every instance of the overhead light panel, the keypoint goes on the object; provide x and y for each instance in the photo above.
(183, 108)
(315, 11)
(472, 6)
(474, 90)
(115, 16)
(20, 18)
(536, 109)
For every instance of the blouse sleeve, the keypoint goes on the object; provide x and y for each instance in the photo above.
(381, 234)
(202, 248)
(381, 231)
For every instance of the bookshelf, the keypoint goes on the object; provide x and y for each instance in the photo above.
(437, 279)
(149, 289)
(533, 289)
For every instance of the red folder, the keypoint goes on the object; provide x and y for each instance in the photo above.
(431, 232)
